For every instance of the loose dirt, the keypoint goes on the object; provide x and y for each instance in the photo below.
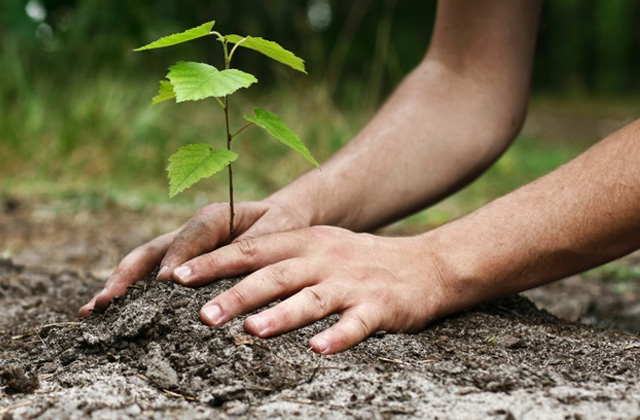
(149, 357)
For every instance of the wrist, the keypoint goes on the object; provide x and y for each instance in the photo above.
(464, 280)
(298, 212)
(307, 199)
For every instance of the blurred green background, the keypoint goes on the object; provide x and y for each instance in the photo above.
(76, 120)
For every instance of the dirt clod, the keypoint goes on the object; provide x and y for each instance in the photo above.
(150, 357)
(16, 379)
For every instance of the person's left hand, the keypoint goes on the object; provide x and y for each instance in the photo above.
(375, 283)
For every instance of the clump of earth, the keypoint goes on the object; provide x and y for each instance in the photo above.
(148, 356)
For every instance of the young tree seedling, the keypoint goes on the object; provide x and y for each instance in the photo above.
(190, 81)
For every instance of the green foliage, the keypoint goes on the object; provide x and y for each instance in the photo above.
(165, 93)
(613, 44)
(46, 120)
(274, 125)
(193, 162)
(189, 81)
(270, 49)
(188, 35)
(195, 81)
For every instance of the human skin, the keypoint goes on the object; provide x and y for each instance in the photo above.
(449, 120)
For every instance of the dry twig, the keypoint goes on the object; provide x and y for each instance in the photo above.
(396, 361)
(176, 395)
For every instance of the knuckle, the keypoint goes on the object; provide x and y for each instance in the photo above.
(193, 229)
(209, 261)
(319, 232)
(238, 297)
(320, 229)
(368, 240)
(203, 220)
(207, 218)
(247, 248)
(209, 210)
(193, 235)
(277, 275)
(364, 324)
(315, 299)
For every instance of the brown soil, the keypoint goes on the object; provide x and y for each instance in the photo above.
(149, 357)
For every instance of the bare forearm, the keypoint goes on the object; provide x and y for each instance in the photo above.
(432, 136)
(448, 121)
(582, 215)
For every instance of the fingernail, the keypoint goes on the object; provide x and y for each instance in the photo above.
(213, 313)
(182, 273)
(162, 271)
(320, 344)
(260, 324)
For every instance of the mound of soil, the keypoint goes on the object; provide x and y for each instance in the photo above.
(149, 357)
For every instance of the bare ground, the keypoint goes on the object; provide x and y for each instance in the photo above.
(150, 357)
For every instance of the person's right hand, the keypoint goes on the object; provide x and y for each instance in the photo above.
(205, 231)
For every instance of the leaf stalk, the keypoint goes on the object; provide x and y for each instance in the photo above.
(233, 50)
(244, 127)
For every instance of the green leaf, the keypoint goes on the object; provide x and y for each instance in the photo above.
(164, 94)
(278, 129)
(195, 81)
(188, 35)
(193, 162)
(271, 49)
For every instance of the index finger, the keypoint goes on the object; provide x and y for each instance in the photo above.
(204, 232)
(137, 264)
(240, 257)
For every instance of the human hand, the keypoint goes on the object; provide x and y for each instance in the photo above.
(375, 283)
(205, 231)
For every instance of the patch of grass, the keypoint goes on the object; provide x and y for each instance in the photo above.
(97, 136)
(615, 271)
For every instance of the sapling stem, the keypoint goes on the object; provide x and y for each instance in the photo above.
(191, 81)
(232, 213)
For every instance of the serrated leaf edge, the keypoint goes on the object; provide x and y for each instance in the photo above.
(235, 39)
(214, 73)
(159, 97)
(177, 189)
(150, 46)
(253, 119)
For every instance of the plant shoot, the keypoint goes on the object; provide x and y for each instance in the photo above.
(190, 81)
